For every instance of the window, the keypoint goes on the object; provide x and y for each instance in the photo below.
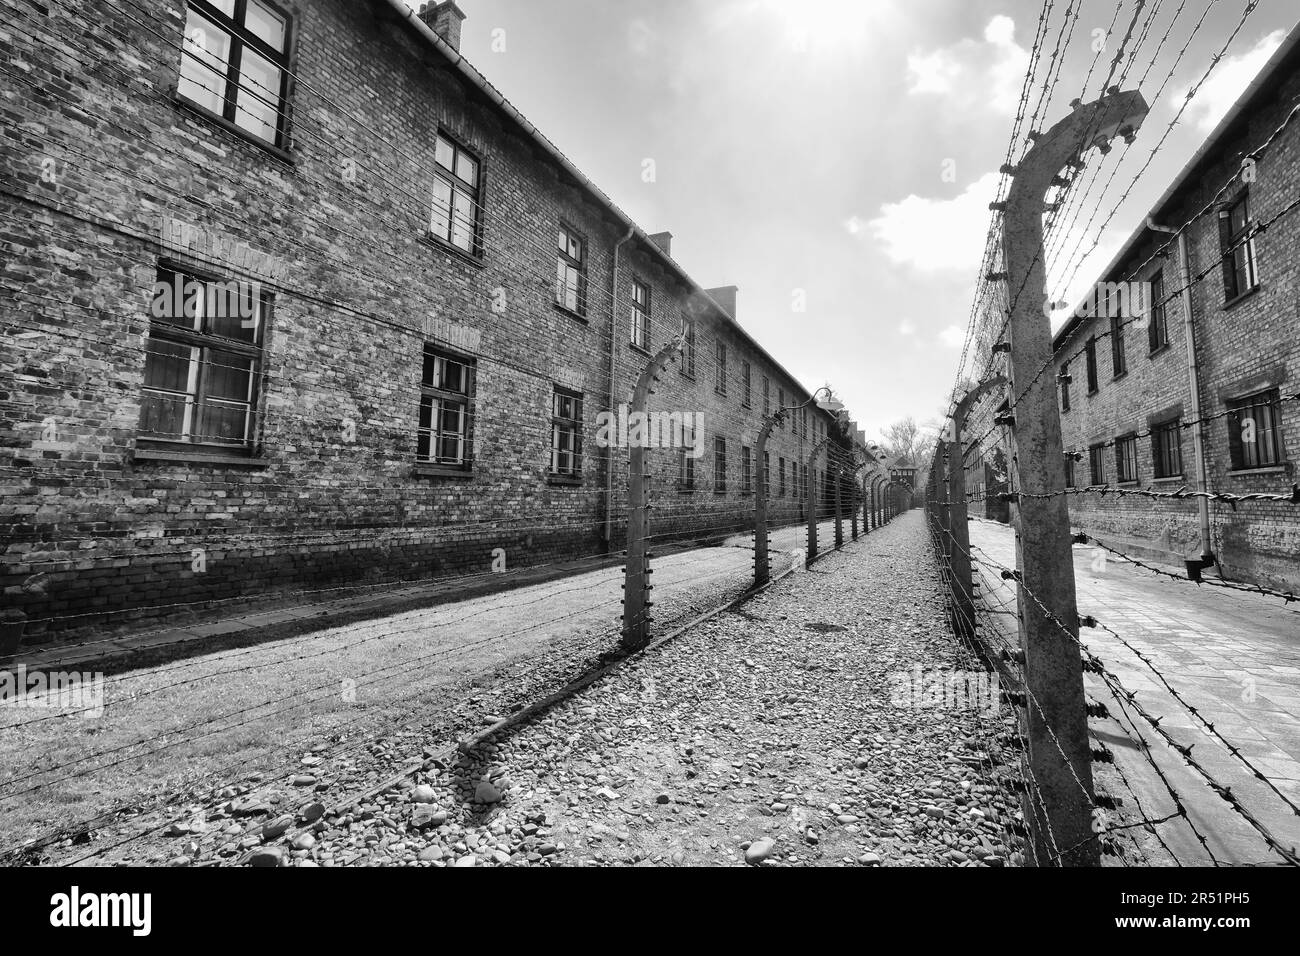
(1157, 320)
(1126, 458)
(446, 402)
(571, 272)
(235, 64)
(720, 368)
(1069, 470)
(1167, 449)
(203, 362)
(746, 470)
(456, 177)
(767, 396)
(719, 465)
(767, 473)
(780, 404)
(1118, 358)
(1254, 431)
(1064, 378)
(1239, 274)
(780, 472)
(687, 480)
(1090, 356)
(804, 430)
(688, 350)
(1097, 464)
(566, 434)
(640, 315)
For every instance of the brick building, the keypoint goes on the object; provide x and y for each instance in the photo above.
(295, 298)
(1157, 383)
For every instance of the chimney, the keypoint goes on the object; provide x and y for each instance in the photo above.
(725, 297)
(664, 240)
(444, 19)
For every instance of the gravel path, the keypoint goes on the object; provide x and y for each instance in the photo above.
(764, 735)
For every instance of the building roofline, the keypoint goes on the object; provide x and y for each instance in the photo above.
(480, 82)
(1269, 72)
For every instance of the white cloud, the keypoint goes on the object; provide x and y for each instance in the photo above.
(987, 72)
(906, 327)
(1226, 83)
(932, 235)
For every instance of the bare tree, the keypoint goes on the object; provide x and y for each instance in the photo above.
(903, 438)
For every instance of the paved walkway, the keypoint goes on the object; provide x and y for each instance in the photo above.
(1235, 657)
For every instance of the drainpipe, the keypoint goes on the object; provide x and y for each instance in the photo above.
(613, 350)
(1206, 559)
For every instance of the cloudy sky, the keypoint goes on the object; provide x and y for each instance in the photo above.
(849, 149)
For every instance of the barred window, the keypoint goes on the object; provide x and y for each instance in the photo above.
(566, 433)
(1097, 464)
(780, 404)
(203, 362)
(235, 64)
(746, 393)
(1064, 378)
(767, 396)
(456, 195)
(1167, 449)
(1090, 356)
(443, 435)
(571, 272)
(1126, 458)
(746, 470)
(1239, 269)
(719, 465)
(1069, 470)
(1254, 431)
(767, 473)
(640, 315)
(780, 471)
(720, 368)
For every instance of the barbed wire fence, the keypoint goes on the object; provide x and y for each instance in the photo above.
(1023, 621)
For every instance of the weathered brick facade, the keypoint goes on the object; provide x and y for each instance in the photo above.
(1245, 344)
(108, 173)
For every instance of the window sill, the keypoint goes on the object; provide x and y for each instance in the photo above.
(205, 114)
(639, 348)
(721, 393)
(196, 458)
(1119, 375)
(684, 490)
(1169, 479)
(1159, 351)
(563, 481)
(442, 245)
(565, 310)
(1242, 297)
(746, 405)
(1282, 469)
(1128, 484)
(689, 375)
(441, 471)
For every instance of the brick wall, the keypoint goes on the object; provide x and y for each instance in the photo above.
(101, 163)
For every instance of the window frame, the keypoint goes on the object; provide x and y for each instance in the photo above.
(1090, 362)
(1097, 464)
(686, 476)
(1118, 349)
(1229, 249)
(1164, 451)
(688, 347)
(641, 312)
(1236, 447)
(746, 383)
(719, 465)
(235, 27)
(566, 261)
(457, 184)
(1126, 459)
(720, 367)
(574, 427)
(1157, 314)
(430, 463)
(746, 470)
(192, 439)
(1063, 379)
